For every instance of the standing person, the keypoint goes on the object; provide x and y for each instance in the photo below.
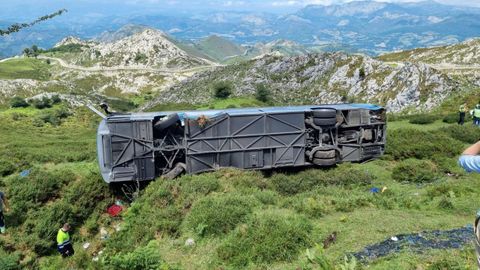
(476, 115)
(4, 206)
(461, 111)
(64, 245)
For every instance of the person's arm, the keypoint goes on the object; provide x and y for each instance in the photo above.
(470, 160)
(473, 150)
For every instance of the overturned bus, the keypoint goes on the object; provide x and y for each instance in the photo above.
(142, 146)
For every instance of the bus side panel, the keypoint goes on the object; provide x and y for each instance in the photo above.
(253, 141)
(132, 150)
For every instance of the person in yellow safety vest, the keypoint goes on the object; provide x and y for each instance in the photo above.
(462, 110)
(64, 245)
(476, 115)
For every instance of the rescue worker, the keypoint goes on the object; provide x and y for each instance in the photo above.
(470, 161)
(461, 111)
(476, 115)
(64, 245)
(4, 206)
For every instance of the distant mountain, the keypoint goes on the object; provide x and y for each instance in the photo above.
(322, 78)
(219, 48)
(362, 26)
(143, 47)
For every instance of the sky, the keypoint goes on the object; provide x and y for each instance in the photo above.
(27, 9)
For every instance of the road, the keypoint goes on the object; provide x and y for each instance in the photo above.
(126, 68)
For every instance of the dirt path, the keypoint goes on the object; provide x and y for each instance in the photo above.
(124, 68)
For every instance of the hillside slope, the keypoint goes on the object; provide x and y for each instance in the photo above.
(464, 53)
(147, 48)
(322, 78)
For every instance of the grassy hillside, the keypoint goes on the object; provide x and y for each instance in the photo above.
(25, 68)
(465, 53)
(237, 219)
(219, 48)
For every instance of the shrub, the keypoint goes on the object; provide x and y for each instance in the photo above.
(6, 167)
(152, 213)
(464, 133)
(18, 102)
(343, 175)
(266, 238)
(450, 118)
(413, 143)
(56, 99)
(216, 215)
(9, 261)
(222, 90)
(147, 257)
(262, 93)
(43, 103)
(423, 119)
(202, 184)
(417, 171)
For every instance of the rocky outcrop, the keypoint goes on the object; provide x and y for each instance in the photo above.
(323, 78)
(148, 48)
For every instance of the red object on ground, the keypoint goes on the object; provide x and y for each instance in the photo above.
(114, 210)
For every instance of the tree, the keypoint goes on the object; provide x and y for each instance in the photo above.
(19, 26)
(27, 51)
(262, 93)
(361, 73)
(222, 90)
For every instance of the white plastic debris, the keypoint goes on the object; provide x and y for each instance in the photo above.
(86, 245)
(103, 233)
(190, 242)
(394, 238)
(117, 227)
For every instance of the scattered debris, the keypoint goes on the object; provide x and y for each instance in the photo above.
(374, 190)
(25, 173)
(331, 239)
(418, 242)
(86, 245)
(103, 233)
(114, 210)
(384, 189)
(117, 227)
(190, 242)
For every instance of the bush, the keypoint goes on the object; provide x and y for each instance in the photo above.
(216, 215)
(43, 103)
(342, 175)
(465, 133)
(451, 118)
(222, 90)
(266, 238)
(56, 99)
(417, 171)
(413, 143)
(147, 257)
(18, 102)
(201, 184)
(6, 167)
(423, 119)
(262, 93)
(9, 261)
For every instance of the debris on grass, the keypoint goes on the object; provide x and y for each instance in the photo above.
(418, 242)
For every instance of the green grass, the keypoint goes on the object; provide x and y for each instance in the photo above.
(238, 219)
(25, 68)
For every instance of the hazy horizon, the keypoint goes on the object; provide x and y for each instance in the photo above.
(105, 8)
